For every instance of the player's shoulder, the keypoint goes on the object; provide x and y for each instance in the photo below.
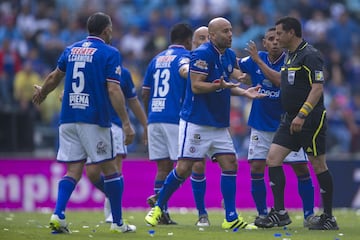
(111, 49)
(204, 50)
(263, 54)
(125, 73)
(310, 52)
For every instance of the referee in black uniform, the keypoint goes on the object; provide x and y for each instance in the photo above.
(303, 124)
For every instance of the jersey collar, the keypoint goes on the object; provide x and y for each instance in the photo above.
(176, 46)
(277, 60)
(300, 47)
(95, 38)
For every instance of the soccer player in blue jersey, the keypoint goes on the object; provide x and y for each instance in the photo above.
(91, 68)
(163, 94)
(198, 179)
(92, 170)
(264, 119)
(204, 122)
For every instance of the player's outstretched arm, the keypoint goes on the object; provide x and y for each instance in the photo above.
(51, 82)
(252, 92)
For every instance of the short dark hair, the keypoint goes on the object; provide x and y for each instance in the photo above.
(97, 22)
(289, 23)
(180, 32)
(270, 29)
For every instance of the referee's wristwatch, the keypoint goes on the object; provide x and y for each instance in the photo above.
(301, 115)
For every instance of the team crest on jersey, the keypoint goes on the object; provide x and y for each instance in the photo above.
(101, 148)
(202, 64)
(230, 68)
(118, 70)
(319, 76)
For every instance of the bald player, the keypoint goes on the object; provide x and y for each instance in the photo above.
(204, 121)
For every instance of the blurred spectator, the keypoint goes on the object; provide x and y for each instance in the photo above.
(51, 44)
(344, 33)
(24, 82)
(10, 64)
(339, 122)
(133, 43)
(352, 69)
(316, 27)
(355, 136)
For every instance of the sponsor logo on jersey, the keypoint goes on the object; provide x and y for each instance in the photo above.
(81, 54)
(202, 64)
(158, 104)
(164, 61)
(79, 100)
(270, 93)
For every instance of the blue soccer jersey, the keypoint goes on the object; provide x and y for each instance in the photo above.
(88, 64)
(167, 87)
(129, 90)
(209, 109)
(266, 112)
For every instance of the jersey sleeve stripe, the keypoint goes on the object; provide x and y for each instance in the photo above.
(113, 80)
(203, 73)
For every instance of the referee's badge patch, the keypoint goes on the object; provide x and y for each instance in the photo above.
(291, 77)
(319, 76)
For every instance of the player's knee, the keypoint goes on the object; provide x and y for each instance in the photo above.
(300, 169)
(258, 166)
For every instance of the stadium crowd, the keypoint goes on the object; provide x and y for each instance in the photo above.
(33, 33)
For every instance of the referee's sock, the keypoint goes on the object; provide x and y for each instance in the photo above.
(326, 189)
(277, 183)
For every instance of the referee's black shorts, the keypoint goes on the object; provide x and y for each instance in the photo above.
(312, 136)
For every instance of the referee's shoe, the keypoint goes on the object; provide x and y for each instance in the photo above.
(273, 219)
(325, 222)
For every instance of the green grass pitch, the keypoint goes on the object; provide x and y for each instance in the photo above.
(90, 225)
